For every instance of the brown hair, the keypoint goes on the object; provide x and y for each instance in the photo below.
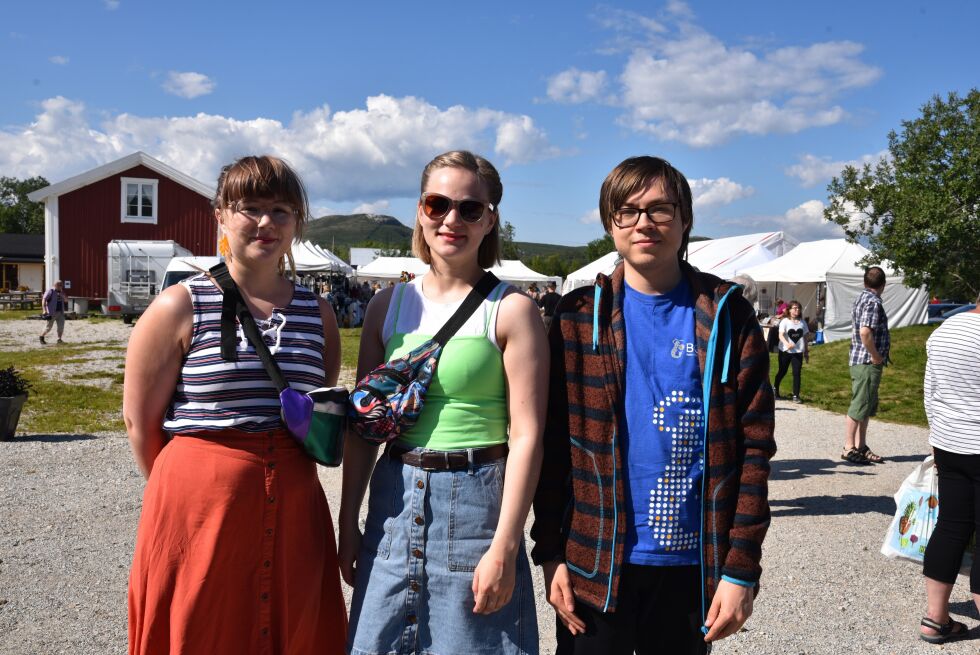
(874, 278)
(489, 253)
(266, 177)
(635, 174)
(794, 303)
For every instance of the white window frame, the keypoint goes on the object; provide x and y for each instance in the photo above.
(124, 216)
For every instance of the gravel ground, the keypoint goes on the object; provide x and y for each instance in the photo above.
(70, 504)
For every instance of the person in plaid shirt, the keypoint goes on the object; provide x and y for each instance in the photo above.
(870, 344)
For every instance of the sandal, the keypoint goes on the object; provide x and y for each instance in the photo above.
(951, 631)
(854, 456)
(870, 455)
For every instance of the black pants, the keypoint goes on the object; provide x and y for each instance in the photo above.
(658, 612)
(785, 361)
(959, 516)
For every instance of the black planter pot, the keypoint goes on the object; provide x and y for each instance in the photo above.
(9, 415)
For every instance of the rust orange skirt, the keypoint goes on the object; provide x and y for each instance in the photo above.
(235, 551)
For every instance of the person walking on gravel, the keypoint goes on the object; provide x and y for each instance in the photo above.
(54, 305)
(793, 348)
(653, 500)
(870, 343)
(951, 392)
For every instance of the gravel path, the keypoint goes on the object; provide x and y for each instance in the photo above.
(69, 505)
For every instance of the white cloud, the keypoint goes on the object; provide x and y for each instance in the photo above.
(813, 170)
(681, 83)
(806, 222)
(111, 5)
(188, 84)
(591, 218)
(60, 60)
(719, 191)
(376, 207)
(574, 86)
(361, 155)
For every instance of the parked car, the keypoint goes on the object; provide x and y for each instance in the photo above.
(181, 268)
(950, 309)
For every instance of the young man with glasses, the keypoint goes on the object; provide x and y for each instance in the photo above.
(659, 433)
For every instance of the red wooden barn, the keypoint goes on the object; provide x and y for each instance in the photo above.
(133, 198)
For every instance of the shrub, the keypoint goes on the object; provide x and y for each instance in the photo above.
(12, 383)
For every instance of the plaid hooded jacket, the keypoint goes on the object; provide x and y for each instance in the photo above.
(580, 496)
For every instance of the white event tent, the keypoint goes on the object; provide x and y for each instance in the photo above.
(725, 257)
(391, 268)
(311, 258)
(801, 273)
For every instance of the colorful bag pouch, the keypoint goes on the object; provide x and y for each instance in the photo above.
(315, 419)
(388, 401)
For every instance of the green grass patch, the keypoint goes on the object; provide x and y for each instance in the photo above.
(350, 345)
(826, 381)
(17, 314)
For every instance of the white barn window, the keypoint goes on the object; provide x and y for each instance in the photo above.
(139, 200)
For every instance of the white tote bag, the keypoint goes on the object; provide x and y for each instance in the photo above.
(917, 508)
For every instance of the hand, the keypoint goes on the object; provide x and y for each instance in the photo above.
(730, 609)
(347, 550)
(558, 586)
(493, 581)
(878, 361)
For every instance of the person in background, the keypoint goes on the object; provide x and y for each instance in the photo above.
(793, 348)
(870, 343)
(781, 307)
(441, 566)
(54, 304)
(653, 504)
(951, 393)
(235, 547)
(548, 303)
(534, 292)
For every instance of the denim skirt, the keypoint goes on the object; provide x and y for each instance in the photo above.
(424, 536)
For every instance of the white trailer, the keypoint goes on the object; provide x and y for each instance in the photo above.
(136, 271)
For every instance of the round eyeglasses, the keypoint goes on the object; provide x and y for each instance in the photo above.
(437, 206)
(658, 214)
(254, 211)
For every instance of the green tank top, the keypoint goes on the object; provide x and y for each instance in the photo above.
(466, 405)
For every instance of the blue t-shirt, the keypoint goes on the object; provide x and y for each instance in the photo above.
(661, 429)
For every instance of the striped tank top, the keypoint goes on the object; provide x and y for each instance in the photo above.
(213, 394)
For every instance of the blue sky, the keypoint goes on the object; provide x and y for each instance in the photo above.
(759, 104)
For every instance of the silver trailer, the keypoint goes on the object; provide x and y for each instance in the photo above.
(136, 271)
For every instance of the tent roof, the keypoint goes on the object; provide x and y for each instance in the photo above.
(812, 261)
(728, 256)
(393, 267)
(514, 270)
(310, 258)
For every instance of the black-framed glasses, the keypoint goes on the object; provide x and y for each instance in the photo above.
(280, 213)
(437, 206)
(662, 212)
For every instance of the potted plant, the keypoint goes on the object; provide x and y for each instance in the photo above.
(13, 393)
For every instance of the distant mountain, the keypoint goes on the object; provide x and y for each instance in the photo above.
(340, 232)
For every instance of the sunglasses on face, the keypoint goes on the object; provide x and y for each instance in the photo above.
(437, 206)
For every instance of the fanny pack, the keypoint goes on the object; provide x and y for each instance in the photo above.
(387, 402)
(315, 419)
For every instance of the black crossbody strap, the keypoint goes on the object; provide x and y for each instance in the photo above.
(233, 306)
(478, 294)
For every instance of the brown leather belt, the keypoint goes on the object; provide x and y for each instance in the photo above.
(446, 460)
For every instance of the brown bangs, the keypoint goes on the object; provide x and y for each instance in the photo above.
(263, 177)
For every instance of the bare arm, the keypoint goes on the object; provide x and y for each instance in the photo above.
(156, 351)
(331, 343)
(867, 338)
(521, 336)
(359, 455)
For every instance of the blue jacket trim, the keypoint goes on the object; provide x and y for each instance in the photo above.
(740, 583)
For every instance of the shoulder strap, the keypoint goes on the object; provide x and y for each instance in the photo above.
(470, 303)
(232, 306)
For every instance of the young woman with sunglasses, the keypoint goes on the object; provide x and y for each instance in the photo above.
(441, 565)
(235, 550)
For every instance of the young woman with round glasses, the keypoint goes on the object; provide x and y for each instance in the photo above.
(235, 550)
(441, 565)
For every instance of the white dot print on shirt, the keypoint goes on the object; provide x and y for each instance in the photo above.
(683, 425)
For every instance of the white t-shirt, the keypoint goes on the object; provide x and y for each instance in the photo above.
(795, 331)
(952, 385)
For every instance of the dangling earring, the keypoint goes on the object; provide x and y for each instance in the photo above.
(223, 248)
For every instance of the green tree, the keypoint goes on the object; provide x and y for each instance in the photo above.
(18, 215)
(918, 207)
(599, 247)
(508, 245)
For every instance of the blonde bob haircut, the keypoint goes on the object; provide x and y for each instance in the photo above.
(267, 178)
(489, 252)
